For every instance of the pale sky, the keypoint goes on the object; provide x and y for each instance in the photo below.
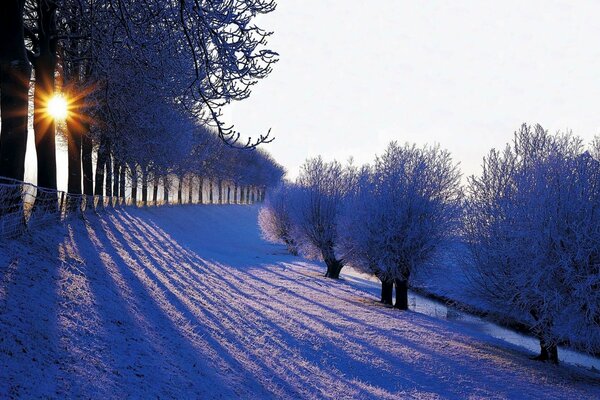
(355, 74)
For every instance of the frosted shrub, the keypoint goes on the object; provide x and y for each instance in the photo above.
(533, 226)
(275, 220)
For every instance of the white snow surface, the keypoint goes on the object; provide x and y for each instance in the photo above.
(189, 302)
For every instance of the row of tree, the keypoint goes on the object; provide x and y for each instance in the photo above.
(530, 222)
(145, 81)
(218, 174)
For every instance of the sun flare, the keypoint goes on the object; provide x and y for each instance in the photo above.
(58, 107)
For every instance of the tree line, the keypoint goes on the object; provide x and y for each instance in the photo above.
(145, 82)
(530, 224)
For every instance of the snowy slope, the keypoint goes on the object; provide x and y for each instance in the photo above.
(189, 302)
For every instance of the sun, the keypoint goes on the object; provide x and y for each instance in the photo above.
(58, 107)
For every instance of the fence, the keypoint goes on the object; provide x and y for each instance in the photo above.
(24, 206)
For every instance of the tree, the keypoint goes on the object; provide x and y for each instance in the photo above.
(316, 206)
(15, 72)
(404, 209)
(275, 220)
(532, 225)
(196, 56)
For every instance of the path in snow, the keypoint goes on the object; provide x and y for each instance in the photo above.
(189, 302)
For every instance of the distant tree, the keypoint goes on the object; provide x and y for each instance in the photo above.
(404, 209)
(532, 223)
(275, 220)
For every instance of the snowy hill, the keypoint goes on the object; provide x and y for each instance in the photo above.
(189, 302)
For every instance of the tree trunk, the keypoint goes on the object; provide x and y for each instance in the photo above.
(334, 266)
(100, 164)
(210, 191)
(401, 294)
(166, 189)
(228, 194)
(122, 182)
(116, 180)
(291, 246)
(387, 289)
(201, 191)
(155, 190)
(220, 189)
(134, 183)
(74, 157)
(86, 159)
(144, 186)
(548, 352)
(235, 193)
(179, 190)
(191, 189)
(109, 174)
(44, 66)
(15, 72)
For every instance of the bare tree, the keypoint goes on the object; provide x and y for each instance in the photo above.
(316, 206)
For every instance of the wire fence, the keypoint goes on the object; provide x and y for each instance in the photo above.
(26, 207)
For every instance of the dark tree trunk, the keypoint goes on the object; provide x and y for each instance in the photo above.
(235, 193)
(387, 289)
(73, 164)
(191, 189)
(116, 180)
(86, 159)
(144, 186)
(15, 72)
(401, 294)
(334, 266)
(44, 65)
(210, 191)
(109, 174)
(122, 182)
(548, 352)
(166, 189)
(155, 190)
(201, 191)
(74, 157)
(220, 189)
(180, 190)
(291, 246)
(228, 194)
(134, 183)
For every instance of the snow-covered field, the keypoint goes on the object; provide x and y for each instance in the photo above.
(189, 302)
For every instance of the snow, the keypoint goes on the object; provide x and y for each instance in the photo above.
(189, 302)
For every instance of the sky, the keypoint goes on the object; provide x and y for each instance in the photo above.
(354, 75)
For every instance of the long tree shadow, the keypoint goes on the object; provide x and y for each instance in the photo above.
(168, 317)
(30, 340)
(137, 325)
